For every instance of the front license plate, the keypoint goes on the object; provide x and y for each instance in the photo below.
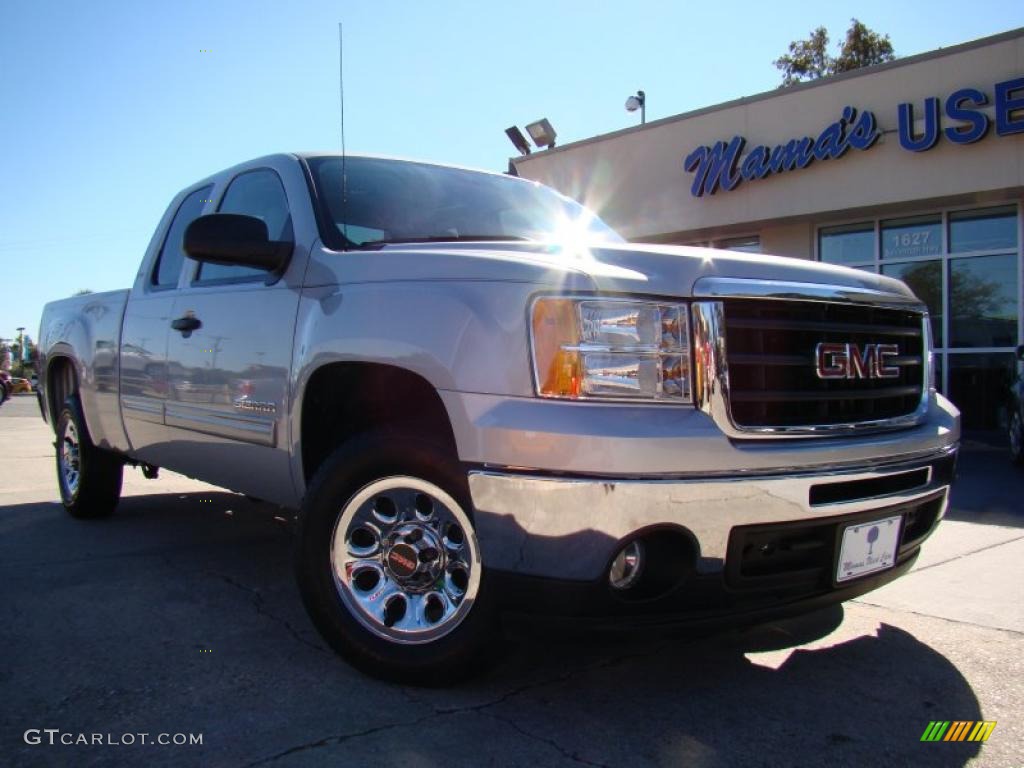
(868, 547)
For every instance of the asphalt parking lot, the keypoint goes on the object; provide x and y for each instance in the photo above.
(179, 615)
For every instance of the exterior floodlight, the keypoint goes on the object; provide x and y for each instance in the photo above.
(542, 133)
(633, 103)
(517, 138)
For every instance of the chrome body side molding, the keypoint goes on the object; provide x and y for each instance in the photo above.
(249, 428)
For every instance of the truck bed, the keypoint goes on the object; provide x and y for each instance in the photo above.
(87, 330)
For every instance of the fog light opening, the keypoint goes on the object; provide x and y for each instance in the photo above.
(627, 566)
(654, 564)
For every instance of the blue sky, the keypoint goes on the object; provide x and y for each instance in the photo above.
(109, 108)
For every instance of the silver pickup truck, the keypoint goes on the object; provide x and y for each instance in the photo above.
(480, 398)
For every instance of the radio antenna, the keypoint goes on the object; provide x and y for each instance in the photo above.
(341, 89)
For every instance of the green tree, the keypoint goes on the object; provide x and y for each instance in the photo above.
(809, 59)
(863, 48)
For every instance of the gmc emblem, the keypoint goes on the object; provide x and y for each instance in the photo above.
(847, 361)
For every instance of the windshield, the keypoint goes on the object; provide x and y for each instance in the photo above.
(396, 201)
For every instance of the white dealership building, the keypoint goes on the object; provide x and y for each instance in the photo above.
(913, 169)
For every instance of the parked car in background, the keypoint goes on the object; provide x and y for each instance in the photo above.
(1015, 409)
(20, 386)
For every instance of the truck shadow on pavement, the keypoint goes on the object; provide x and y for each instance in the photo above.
(180, 613)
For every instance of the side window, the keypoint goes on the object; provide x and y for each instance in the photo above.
(254, 193)
(168, 262)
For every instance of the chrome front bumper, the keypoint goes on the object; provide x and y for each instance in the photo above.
(570, 528)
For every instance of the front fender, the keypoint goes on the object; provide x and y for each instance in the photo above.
(463, 336)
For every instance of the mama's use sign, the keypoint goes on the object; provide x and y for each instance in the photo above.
(724, 166)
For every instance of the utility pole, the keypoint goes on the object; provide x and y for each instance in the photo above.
(216, 349)
(21, 350)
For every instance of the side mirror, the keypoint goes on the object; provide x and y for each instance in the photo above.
(231, 238)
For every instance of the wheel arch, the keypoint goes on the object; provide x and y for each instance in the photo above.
(344, 398)
(61, 381)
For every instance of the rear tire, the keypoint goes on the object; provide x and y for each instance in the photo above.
(388, 563)
(89, 478)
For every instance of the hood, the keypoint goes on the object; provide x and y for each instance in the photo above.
(673, 270)
(632, 268)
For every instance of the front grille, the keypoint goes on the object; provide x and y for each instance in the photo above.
(770, 351)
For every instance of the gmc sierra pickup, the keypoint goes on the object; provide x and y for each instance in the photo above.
(478, 397)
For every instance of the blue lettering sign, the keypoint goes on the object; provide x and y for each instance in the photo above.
(832, 143)
(795, 153)
(722, 166)
(966, 134)
(757, 164)
(1007, 103)
(864, 132)
(931, 126)
(715, 167)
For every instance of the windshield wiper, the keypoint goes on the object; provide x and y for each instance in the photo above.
(442, 239)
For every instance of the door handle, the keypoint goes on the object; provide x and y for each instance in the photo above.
(186, 324)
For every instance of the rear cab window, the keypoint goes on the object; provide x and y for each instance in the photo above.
(168, 262)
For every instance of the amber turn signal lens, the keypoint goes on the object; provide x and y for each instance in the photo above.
(555, 326)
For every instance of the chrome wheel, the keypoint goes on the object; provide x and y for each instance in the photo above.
(405, 560)
(69, 454)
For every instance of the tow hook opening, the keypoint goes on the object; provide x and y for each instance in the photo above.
(651, 565)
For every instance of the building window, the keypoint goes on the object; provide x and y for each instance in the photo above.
(908, 238)
(979, 384)
(985, 230)
(848, 244)
(983, 301)
(925, 280)
(965, 266)
(744, 244)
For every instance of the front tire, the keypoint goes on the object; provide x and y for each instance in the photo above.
(89, 477)
(388, 562)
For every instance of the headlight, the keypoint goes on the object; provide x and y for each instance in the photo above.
(611, 348)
